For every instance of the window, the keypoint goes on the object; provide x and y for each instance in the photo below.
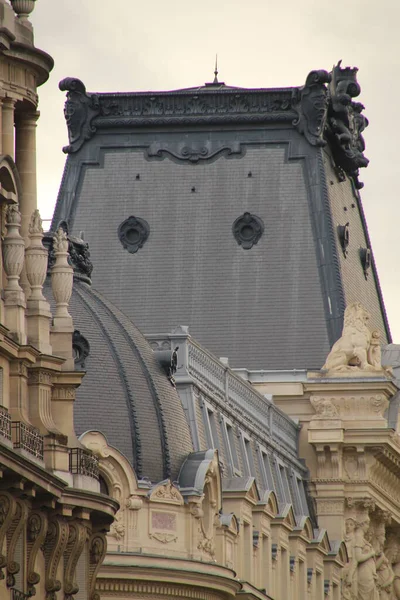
(230, 443)
(248, 463)
(210, 426)
(265, 469)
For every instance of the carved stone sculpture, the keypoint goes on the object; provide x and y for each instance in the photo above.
(392, 552)
(311, 105)
(361, 576)
(357, 348)
(384, 572)
(79, 111)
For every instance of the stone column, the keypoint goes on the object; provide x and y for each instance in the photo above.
(25, 158)
(7, 131)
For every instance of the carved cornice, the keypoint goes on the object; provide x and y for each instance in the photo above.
(160, 590)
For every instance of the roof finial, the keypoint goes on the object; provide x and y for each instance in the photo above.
(215, 82)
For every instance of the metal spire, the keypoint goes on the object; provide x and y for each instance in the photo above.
(216, 82)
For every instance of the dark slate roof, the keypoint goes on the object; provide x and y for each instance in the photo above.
(125, 393)
(186, 165)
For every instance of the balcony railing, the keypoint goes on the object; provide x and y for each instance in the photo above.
(5, 423)
(83, 462)
(27, 438)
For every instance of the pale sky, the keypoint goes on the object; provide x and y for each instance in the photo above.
(130, 46)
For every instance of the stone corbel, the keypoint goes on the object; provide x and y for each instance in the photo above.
(8, 507)
(78, 535)
(36, 535)
(97, 552)
(40, 385)
(55, 545)
(13, 534)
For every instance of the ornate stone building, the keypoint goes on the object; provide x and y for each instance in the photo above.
(271, 475)
(53, 518)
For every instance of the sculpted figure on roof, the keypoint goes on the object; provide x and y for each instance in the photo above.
(358, 349)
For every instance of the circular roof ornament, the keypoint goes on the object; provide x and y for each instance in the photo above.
(133, 233)
(247, 230)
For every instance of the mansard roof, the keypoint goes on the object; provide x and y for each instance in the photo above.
(235, 211)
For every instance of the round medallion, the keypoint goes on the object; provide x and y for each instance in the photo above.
(133, 232)
(247, 230)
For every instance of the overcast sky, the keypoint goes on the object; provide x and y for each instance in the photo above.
(128, 46)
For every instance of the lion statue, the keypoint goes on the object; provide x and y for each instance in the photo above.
(358, 347)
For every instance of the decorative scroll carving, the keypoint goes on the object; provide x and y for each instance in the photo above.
(79, 254)
(54, 548)
(13, 534)
(81, 349)
(201, 151)
(75, 546)
(97, 552)
(357, 346)
(247, 230)
(117, 529)
(8, 508)
(133, 233)
(166, 492)
(311, 105)
(346, 123)
(79, 111)
(324, 408)
(172, 106)
(36, 535)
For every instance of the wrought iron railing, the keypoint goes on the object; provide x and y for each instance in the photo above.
(5, 423)
(83, 462)
(18, 595)
(27, 438)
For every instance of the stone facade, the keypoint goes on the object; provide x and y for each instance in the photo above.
(53, 519)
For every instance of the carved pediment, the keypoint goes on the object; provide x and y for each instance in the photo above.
(166, 492)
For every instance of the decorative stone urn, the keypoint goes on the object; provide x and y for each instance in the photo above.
(23, 8)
